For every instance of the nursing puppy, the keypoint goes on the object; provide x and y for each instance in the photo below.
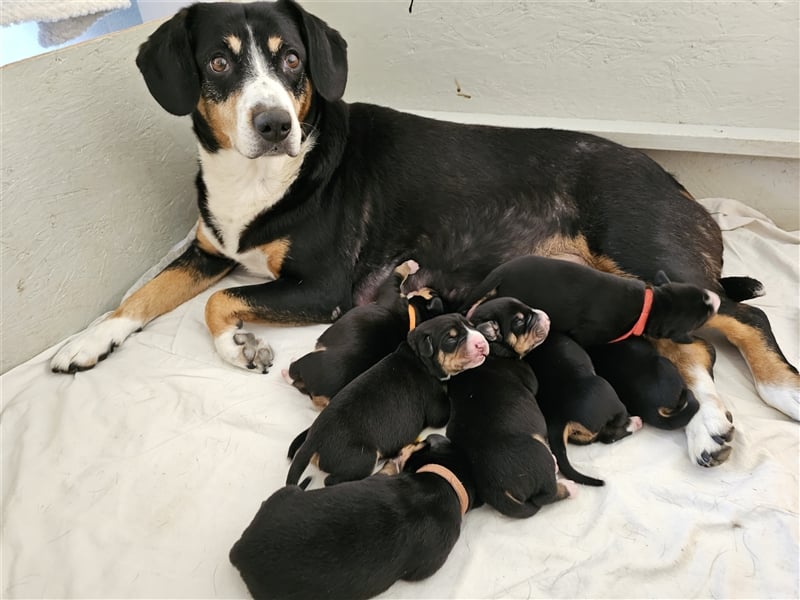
(648, 384)
(577, 404)
(361, 337)
(356, 539)
(512, 328)
(495, 419)
(387, 406)
(594, 307)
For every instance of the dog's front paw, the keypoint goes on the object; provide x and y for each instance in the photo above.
(244, 350)
(708, 434)
(93, 344)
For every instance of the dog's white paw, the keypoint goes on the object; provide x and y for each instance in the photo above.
(244, 350)
(785, 398)
(93, 344)
(570, 486)
(634, 424)
(708, 435)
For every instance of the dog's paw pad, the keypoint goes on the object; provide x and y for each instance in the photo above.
(709, 434)
(245, 350)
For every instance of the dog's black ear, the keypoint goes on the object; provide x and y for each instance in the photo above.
(326, 53)
(167, 64)
(420, 343)
(660, 278)
(435, 306)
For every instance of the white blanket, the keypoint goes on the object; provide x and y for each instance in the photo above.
(134, 479)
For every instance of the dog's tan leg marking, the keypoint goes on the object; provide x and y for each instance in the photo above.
(320, 402)
(776, 383)
(710, 430)
(579, 434)
(275, 253)
(274, 43)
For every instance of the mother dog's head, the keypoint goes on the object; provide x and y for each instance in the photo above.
(248, 73)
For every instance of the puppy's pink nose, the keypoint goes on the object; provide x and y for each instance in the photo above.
(712, 300)
(477, 343)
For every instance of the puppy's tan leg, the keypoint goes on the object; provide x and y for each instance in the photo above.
(191, 273)
(709, 432)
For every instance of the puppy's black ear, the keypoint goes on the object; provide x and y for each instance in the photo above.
(660, 278)
(326, 53)
(435, 306)
(420, 343)
(167, 64)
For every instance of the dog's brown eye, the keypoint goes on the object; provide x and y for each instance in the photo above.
(291, 60)
(219, 64)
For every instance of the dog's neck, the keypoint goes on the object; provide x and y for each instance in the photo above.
(449, 477)
(641, 322)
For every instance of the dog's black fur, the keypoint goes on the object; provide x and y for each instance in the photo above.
(356, 539)
(595, 307)
(387, 406)
(360, 338)
(648, 384)
(577, 404)
(495, 419)
(355, 189)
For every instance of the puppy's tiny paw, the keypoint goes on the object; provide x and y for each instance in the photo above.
(244, 349)
(708, 435)
(571, 487)
(634, 424)
(93, 344)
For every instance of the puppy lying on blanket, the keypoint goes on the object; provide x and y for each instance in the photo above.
(576, 403)
(361, 337)
(386, 407)
(495, 419)
(494, 416)
(648, 384)
(356, 539)
(594, 307)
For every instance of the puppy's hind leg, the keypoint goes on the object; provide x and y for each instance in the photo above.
(747, 328)
(711, 429)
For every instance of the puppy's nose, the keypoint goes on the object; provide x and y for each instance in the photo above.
(273, 125)
(480, 344)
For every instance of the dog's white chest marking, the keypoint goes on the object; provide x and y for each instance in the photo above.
(238, 189)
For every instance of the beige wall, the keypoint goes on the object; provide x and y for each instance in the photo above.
(97, 181)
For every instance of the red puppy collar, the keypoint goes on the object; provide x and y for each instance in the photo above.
(638, 327)
(450, 478)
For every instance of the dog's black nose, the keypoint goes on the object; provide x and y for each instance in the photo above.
(273, 125)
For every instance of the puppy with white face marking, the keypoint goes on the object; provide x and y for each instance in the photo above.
(387, 406)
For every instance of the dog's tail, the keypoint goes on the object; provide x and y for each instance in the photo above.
(739, 289)
(296, 443)
(302, 456)
(558, 434)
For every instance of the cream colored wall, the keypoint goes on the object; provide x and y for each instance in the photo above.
(97, 181)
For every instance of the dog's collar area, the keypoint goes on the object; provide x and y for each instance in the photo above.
(450, 478)
(412, 317)
(638, 327)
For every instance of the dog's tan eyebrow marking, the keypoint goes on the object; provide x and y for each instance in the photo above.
(234, 43)
(274, 43)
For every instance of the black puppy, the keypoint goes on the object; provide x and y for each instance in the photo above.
(356, 539)
(495, 419)
(512, 328)
(387, 406)
(361, 337)
(594, 307)
(577, 404)
(648, 384)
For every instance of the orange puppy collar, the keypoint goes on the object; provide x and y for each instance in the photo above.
(450, 478)
(638, 327)
(412, 317)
